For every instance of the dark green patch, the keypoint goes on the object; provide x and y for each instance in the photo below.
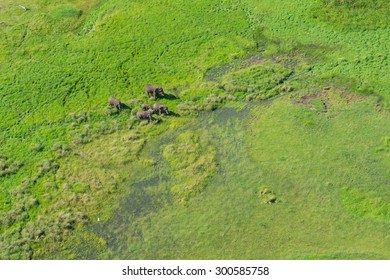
(67, 12)
(355, 14)
(259, 81)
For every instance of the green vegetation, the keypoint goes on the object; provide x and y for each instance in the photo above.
(246, 81)
(8, 166)
(365, 204)
(356, 14)
(276, 146)
(193, 162)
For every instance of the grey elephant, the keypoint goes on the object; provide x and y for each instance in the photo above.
(160, 108)
(145, 115)
(146, 107)
(154, 90)
(114, 102)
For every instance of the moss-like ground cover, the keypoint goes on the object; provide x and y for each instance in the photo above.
(276, 146)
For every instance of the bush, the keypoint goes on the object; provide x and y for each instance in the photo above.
(61, 149)
(51, 185)
(47, 166)
(17, 214)
(110, 111)
(19, 191)
(15, 249)
(81, 188)
(32, 233)
(79, 117)
(37, 147)
(267, 196)
(189, 109)
(8, 166)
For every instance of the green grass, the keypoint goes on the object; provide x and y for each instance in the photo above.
(193, 163)
(355, 14)
(236, 215)
(307, 150)
(365, 204)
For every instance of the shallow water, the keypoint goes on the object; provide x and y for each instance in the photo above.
(228, 220)
(147, 197)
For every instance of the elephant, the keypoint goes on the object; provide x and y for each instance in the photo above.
(146, 107)
(160, 108)
(145, 115)
(154, 90)
(114, 102)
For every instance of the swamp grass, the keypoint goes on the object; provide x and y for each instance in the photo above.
(303, 201)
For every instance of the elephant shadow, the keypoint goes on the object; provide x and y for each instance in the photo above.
(173, 114)
(125, 107)
(170, 96)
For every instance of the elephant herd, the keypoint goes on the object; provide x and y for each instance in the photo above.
(146, 110)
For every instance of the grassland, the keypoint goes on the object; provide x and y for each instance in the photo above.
(277, 145)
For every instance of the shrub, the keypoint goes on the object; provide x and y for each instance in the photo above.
(79, 117)
(81, 139)
(267, 196)
(17, 214)
(81, 188)
(37, 147)
(8, 166)
(19, 191)
(47, 166)
(189, 108)
(210, 103)
(110, 111)
(32, 233)
(61, 149)
(51, 185)
(15, 249)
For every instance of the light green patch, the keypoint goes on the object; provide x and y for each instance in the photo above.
(267, 196)
(365, 204)
(192, 160)
(80, 188)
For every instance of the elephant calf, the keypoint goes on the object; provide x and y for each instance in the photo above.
(145, 115)
(114, 102)
(160, 108)
(154, 90)
(146, 107)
